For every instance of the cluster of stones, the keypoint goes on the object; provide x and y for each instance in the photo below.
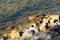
(38, 27)
(47, 21)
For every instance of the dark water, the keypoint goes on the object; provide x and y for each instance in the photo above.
(48, 5)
